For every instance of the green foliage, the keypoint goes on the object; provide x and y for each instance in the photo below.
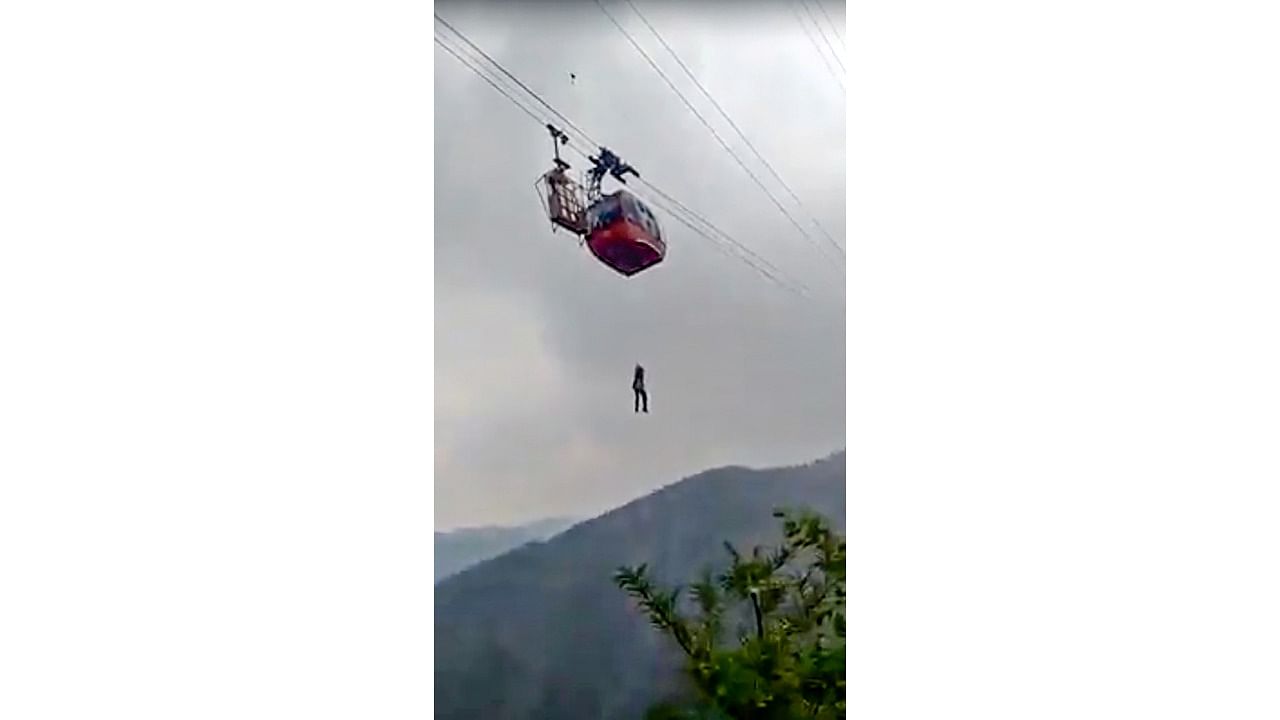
(786, 656)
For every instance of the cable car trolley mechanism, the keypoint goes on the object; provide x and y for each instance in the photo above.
(619, 229)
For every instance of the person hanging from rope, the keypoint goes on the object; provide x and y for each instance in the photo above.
(637, 385)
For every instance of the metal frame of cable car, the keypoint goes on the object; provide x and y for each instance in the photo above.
(564, 197)
(567, 202)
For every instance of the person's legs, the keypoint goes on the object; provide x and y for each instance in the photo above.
(637, 393)
(645, 396)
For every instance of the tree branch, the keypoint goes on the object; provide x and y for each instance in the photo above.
(755, 605)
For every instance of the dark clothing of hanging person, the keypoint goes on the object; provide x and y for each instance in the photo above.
(637, 384)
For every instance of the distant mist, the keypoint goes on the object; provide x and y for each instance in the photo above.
(459, 549)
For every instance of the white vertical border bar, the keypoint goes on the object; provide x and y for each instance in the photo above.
(216, 352)
(1063, 360)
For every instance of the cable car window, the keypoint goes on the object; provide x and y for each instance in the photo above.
(610, 214)
(650, 220)
(632, 209)
(605, 212)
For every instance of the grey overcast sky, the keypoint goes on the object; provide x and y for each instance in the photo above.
(536, 340)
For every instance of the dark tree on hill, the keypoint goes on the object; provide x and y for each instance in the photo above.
(764, 639)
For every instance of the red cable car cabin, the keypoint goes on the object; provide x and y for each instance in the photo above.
(623, 234)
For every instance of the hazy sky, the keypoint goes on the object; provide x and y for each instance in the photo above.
(536, 340)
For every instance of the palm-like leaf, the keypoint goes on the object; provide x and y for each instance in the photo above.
(790, 662)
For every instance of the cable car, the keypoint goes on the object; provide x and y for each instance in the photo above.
(618, 229)
(623, 234)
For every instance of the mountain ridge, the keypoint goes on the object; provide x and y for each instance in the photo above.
(457, 550)
(540, 632)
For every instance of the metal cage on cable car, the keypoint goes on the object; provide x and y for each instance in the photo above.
(619, 229)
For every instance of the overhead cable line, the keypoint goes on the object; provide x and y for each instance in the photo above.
(823, 34)
(486, 78)
(793, 286)
(583, 133)
(676, 204)
(726, 236)
(839, 38)
(703, 120)
(816, 48)
(735, 127)
(526, 88)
